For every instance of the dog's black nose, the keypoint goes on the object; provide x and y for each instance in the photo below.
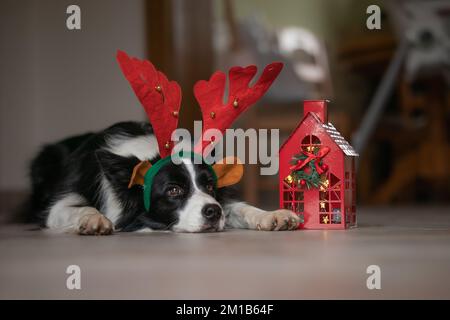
(212, 212)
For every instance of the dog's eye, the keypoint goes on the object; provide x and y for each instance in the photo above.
(209, 187)
(175, 191)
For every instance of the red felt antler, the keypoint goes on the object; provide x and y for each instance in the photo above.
(209, 95)
(160, 97)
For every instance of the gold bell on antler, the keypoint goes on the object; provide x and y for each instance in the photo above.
(212, 114)
(167, 145)
(158, 88)
(235, 103)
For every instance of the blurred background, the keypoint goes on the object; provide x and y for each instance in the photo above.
(388, 87)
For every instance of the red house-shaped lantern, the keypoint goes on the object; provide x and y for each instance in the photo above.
(317, 172)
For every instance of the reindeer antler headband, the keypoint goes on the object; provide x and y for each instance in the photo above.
(161, 100)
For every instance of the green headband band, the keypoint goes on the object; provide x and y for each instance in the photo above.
(154, 169)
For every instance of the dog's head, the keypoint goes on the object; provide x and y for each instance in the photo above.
(183, 196)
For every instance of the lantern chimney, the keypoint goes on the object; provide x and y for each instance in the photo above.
(319, 107)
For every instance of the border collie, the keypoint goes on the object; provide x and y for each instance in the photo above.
(81, 185)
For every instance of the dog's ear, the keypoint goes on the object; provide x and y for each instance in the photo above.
(229, 171)
(139, 171)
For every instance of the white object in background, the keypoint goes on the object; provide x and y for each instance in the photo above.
(291, 41)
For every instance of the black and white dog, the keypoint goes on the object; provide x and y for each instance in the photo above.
(81, 185)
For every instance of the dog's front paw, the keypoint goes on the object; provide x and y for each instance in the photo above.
(95, 224)
(278, 220)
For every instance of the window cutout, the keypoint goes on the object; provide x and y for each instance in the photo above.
(336, 207)
(335, 195)
(300, 207)
(323, 195)
(299, 196)
(315, 140)
(336, 218)
(311, 139)
(324, 219)
(333, 180)
(306, 140)
(323, 206)
(287, 196)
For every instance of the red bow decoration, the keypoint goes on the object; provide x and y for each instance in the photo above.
(311, 156)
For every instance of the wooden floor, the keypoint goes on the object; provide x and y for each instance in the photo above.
(410, 245)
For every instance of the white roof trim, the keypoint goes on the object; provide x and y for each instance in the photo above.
(339, 139)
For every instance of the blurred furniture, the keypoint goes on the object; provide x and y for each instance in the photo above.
(426, 162)
(423, 50)
(409, 156)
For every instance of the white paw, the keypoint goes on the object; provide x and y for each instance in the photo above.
(278, 220)
(95, 224)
